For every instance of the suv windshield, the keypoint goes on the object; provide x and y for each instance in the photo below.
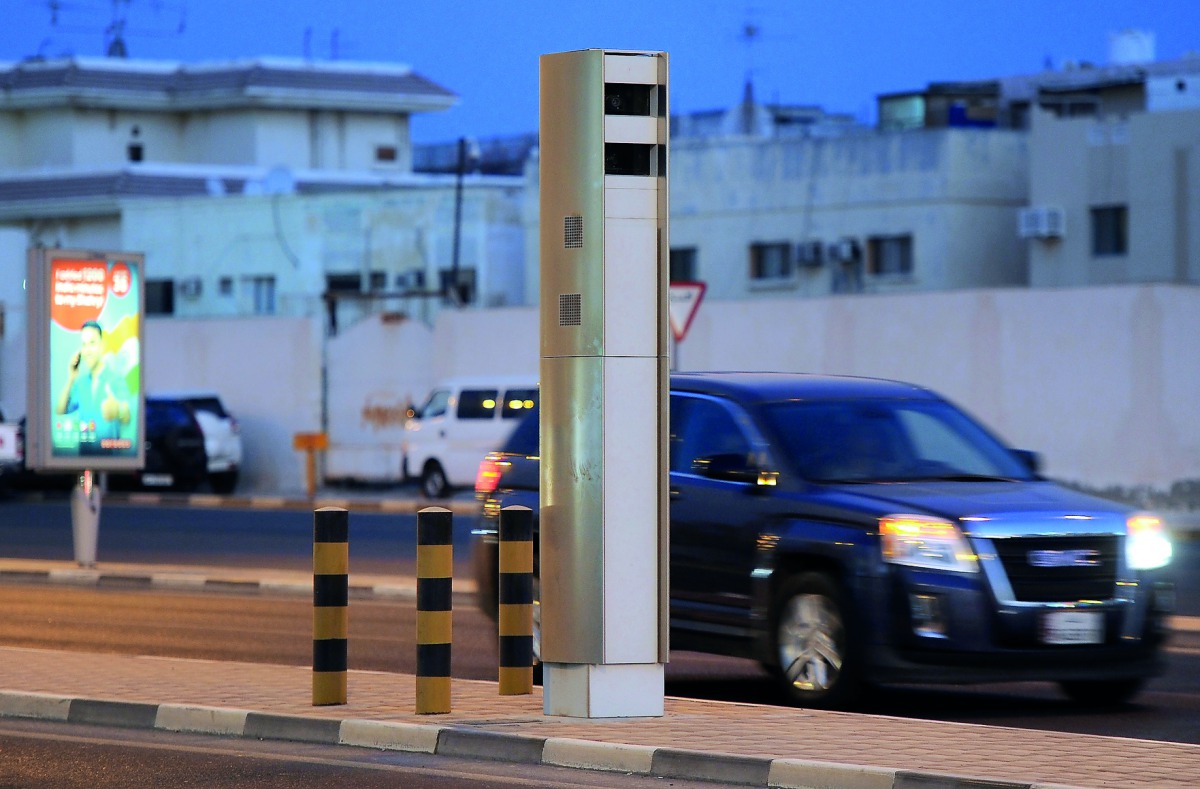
(889, 441)
(210, 404)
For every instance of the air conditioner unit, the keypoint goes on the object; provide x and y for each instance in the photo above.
(190, 288)
(811, 254)
(845, 250)
(1041, 222)
(1054, 222)
(413, 279)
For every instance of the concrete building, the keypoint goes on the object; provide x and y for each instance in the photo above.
(254, 187)
(1123, 192)
(1010, 197)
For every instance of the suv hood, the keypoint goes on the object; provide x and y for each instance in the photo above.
(995, 508)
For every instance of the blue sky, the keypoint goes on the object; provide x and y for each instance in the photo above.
(836, 55)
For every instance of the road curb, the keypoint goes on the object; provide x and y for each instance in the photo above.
(403, 590)
(377, 504)
(462, 741)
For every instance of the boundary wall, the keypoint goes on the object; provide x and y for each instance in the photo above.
(1104, 381)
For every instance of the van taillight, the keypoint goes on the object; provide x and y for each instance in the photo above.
(488, 476)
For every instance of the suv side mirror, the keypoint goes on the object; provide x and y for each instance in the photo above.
(731, 467)
(1030, 459)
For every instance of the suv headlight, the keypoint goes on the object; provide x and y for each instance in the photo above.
(921, 541)
(1147, 545)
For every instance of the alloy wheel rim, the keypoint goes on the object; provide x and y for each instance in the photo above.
(810, 643)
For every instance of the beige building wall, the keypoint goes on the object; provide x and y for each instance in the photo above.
(1101, 381)
(268, 374)
(955, 191)
(298, 239)
(1148, 162)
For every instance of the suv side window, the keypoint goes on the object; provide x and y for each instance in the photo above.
(477, 403)
(211, 404)
(701, 428)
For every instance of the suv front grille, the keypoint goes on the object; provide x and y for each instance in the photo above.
(1060, 569)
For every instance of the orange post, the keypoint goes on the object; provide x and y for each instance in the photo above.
(310, 444)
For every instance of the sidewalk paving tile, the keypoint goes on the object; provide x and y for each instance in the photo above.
(724, 729)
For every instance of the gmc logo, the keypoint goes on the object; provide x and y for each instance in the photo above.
(1081, 557)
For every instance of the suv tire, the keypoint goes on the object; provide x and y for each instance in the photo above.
(813, 643)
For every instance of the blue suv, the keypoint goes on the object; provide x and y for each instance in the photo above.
(847, 531)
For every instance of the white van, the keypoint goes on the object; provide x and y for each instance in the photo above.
(461, 421)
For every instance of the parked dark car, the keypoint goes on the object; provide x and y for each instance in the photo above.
(175, 454)
(850, 531)
(222, 436)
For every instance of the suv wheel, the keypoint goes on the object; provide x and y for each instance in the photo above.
(433, 481)
(815, 656)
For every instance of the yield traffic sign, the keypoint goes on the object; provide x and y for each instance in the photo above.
(683, 300)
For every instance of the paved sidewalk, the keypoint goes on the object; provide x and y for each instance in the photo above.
(732, 743)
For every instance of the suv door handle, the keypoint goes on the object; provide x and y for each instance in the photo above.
(675, 493)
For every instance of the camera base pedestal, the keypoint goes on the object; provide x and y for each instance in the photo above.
(85, 518)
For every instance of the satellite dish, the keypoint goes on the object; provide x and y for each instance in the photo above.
(279, 181)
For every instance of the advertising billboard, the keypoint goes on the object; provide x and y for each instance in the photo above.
(85, 351)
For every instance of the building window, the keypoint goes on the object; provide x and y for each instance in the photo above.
(352, 283)
(261, 293)
(225, 286)
(135, 152)
(889, 255)
(385, 153)
(160, 297)
(683, 264)
(771, 262)
(1110, 230)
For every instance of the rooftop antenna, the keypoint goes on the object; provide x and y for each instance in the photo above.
(85, 16)
(750, 35)
(115, 32)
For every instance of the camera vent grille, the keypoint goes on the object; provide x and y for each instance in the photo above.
(573, 232)
(570, 309)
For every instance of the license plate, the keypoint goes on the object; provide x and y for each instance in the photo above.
(1073, 627)
(157, 480)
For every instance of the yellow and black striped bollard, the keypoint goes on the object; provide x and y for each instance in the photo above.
(435, 571)
(516, 601)
(331, 593)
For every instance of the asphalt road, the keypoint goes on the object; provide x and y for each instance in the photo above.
(282, 539)
(275, 538)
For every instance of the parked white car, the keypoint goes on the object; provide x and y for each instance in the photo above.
(222, 436)
(461, 421)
